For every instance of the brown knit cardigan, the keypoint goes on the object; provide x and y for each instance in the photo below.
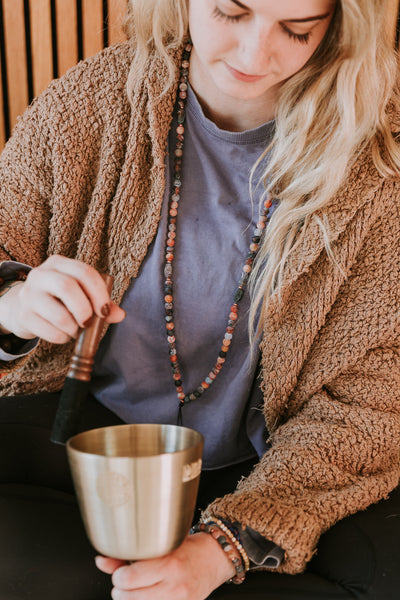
(83, 176)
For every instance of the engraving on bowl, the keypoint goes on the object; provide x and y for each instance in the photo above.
(113, 488)
(191, 471)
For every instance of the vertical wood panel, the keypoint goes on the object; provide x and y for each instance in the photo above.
(2, 123)
(116, 14)
(67, 35)
(92, 26)
(41, 43)
(392, 14)
(17, 75)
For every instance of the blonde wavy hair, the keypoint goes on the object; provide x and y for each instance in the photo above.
(327, 113)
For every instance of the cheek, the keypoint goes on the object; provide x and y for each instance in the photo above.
(206, 35)
(289, 62)
(197, 28)
(295, 57)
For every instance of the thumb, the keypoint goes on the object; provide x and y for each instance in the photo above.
(116, 314)
(108, 565)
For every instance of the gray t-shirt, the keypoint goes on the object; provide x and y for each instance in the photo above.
(216, 220)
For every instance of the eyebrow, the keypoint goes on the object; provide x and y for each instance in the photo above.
(304, 20)
(239, 4)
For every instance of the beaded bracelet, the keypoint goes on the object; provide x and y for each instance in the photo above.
(232, 554)
(234, 539)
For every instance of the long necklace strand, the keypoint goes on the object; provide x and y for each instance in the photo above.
(186, 398)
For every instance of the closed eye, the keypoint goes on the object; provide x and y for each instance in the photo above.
(303, 38)
(218, 14)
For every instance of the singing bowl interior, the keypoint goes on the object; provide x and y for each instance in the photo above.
(139, 440)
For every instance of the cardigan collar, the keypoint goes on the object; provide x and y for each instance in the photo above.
(360, 189)
(136, 206)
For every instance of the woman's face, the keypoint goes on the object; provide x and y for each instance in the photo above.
(245, 49)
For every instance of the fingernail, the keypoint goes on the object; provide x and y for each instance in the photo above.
(105, 310)
(87, 322)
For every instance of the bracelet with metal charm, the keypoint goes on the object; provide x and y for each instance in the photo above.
(232, 553)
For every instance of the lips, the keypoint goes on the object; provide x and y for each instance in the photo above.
(243, 76)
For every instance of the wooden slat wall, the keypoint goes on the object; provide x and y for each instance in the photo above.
(67, 34)
(92, 25)
(15, 57)
(2, 125)
(42, 44)
(116, 13)
(42, 39)
(392, 17)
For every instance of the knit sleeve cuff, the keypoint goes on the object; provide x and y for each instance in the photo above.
(11, 346)
(292, 529)
(261, 551)
(10, 268)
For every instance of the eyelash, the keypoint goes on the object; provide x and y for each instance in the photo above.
(218, 14)
(303, 38)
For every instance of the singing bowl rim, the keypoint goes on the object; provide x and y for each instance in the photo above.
(71, 443)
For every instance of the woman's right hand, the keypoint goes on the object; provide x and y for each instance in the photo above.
(56, 299)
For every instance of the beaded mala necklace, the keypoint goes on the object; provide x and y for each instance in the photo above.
(186, 398)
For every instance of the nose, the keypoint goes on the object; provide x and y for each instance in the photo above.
(255, 50)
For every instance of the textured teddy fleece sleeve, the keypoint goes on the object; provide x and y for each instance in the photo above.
(335, 447)
(26, 186)
(25, 190)
(335, 457)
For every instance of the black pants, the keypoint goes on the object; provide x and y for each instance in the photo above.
(45, 555)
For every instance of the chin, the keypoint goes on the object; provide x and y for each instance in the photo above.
(243, 92)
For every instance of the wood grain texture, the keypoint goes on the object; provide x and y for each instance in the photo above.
(67, 35)
(92, 26)
(116, 15)
(17, 73)
(41, 44)
(392, 15)
(2, 123)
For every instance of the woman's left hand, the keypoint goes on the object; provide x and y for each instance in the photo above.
(191, 572)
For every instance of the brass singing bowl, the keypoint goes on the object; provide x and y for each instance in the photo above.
(136, 486)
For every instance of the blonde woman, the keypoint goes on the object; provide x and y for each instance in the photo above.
(235, 167)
